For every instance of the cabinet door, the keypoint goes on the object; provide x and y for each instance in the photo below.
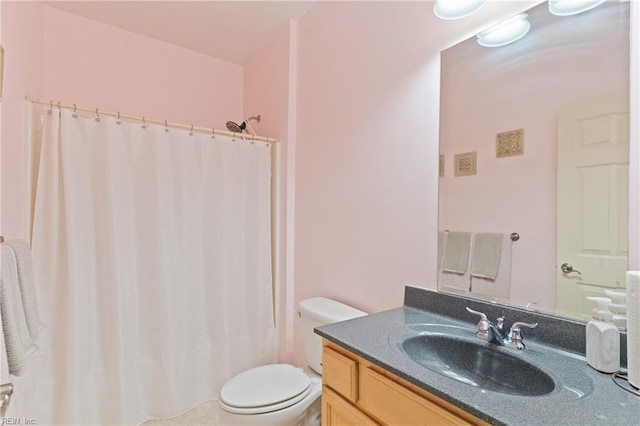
(340, 373)
(394, 404)
(338, 412)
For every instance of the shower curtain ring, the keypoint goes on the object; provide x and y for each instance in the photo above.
(144, 123)
(97, 115)
(118, 119)
(166, 127)
(74, 111)
(213, 133)
(191, 131)
(74, 108)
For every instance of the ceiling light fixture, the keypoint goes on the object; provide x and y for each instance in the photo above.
(572, 7)
(506, 32)
(456, 9)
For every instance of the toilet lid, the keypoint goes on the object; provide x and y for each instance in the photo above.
(260, 388)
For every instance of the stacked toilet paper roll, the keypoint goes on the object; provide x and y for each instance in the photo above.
(633, 327)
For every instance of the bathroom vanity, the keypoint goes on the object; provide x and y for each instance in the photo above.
(423, 364)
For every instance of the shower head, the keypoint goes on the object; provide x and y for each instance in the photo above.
(239, 128)
(234, 127)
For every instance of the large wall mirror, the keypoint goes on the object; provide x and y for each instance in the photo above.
(534, 140)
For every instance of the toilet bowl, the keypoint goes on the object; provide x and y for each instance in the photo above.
(282, 394)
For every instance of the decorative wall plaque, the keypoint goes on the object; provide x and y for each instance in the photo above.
(465, 164)
(510, 143)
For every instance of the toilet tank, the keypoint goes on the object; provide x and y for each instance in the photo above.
(319, 311)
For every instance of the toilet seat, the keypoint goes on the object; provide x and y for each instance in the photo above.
(265, 389)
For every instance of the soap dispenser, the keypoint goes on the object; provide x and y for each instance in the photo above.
(603, 338)
(618, 307)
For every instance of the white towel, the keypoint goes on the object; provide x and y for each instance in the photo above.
(498, 289)
(453, 281)
(14, 325)
(485, 258)
(24, 264)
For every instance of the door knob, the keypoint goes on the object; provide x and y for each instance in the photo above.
(567, 268)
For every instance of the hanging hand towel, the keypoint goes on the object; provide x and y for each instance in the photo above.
(24, 264)
(453, 275)
(498, 288)
(485, 260)
(456, 252)
(14, 325)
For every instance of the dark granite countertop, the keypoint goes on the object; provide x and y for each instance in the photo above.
(582, 396)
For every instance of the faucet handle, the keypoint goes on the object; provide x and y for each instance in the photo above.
(483, 317)
(516, 325)
(483, 324)
(515, 334)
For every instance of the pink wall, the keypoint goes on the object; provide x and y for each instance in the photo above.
(22, 42)
(269, 83)
(519, 193)
(366, 148)
(93, 64)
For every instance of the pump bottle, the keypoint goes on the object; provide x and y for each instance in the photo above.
(603, 338)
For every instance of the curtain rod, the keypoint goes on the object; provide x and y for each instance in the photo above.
(189, 127)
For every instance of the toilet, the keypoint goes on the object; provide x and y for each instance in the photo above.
(282, 394)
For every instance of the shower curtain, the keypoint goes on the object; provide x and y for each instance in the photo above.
(153, 261)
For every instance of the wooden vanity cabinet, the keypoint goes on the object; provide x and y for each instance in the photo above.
(356, 392)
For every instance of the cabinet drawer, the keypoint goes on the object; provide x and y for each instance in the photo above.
(338, 412)
(392, 403)
(340, 373)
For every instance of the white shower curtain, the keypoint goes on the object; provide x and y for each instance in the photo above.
(153, 261)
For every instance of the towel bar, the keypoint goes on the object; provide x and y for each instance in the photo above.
(514, 236)
(6, 390)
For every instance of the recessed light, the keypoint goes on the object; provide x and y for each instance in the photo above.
(506, 32)
(456, 9)
(572, 7)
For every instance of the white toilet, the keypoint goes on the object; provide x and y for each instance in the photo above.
(281, 394)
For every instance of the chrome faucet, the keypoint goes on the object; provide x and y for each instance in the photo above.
(494, 333)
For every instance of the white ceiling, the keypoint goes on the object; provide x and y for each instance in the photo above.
(228, 30)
